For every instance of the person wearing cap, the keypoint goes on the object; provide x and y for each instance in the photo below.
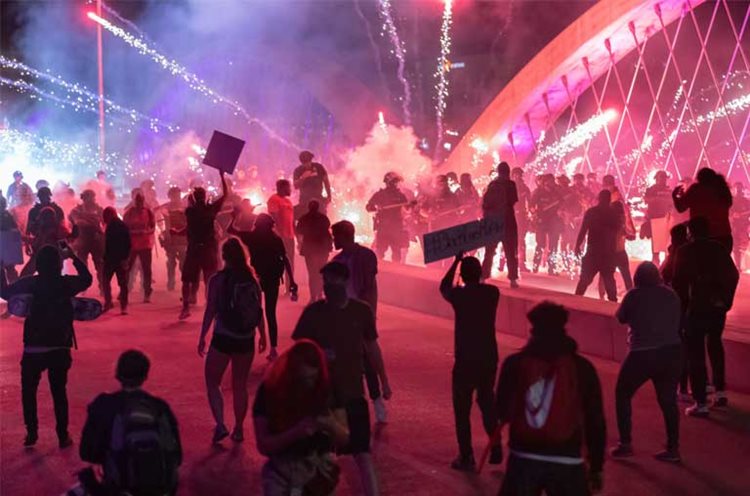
(658, 199)
(17, 190)
(499, 201)
(311, 179)
(45, 200)
(388, 204)
(87, 221)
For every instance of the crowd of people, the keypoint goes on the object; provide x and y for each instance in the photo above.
(312, 402)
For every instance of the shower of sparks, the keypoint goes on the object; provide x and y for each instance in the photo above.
(443, 66)
(398, 51)
(193, 81)
(78, 96)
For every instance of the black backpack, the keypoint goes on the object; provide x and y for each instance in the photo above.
(240, 310)
(142, 456)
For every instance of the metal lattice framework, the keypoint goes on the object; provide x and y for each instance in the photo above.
(629, 88)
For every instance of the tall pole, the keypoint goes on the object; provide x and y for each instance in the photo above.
(101, 83)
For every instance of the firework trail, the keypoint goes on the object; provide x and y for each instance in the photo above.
(443, 66)
(373, 45)
(389, 28)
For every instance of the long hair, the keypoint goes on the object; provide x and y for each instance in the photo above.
(235, 256)
(289, 401)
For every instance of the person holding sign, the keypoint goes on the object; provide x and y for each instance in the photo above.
(499, 201)
(311, 179)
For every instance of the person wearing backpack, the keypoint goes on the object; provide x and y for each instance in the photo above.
(48, 334)
(653, 314)
(132, 435)
(705, 278)
(551, 399)
(234, 306)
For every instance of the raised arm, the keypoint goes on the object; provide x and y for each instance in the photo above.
(679, 197)
(82, 281)
(582, 233)
(446, 285)
(327, 185)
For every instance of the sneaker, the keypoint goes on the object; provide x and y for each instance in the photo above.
(464, 464)
(220, 433)
(622, 450)
(31, 439)
(697, 410)
(65, 441)
(684, 397)
(184, 314)
(514, 284)
(237, 435)
(496, 455)
(720, 400)
(381, 414)
(272, 355)
(669, 455)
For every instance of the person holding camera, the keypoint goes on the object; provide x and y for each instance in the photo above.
(48, 334)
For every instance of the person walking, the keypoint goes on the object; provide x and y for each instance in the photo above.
(551, 398)
(362, 264)
(142, 225)
(132, 435)
(499, 201)
(295, 427)
(172, 217)
(86, 220)
(475, 366)
(653, 314)
(599, 228)
(268, 258)
(234, 307)
(281, 209)
(117, 249)
(705, 278)
(316, 243)
(48, 334)
(345, 329)
(202, 250)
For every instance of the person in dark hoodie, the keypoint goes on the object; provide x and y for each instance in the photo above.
(48, 334)
(711, 199)
(705, 278)
(551, 398)
(499, 201)
(652, 312)
(116, 256)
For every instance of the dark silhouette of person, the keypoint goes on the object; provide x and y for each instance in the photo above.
(48, 230)
(48, 334)
(316, 244)
(172, 216)
(705, 278)
(599, 228)
(475, 308)
(7, 224)
(740, 215)
(551, 398)
(116, 259)
(710, 198)
(658, 199)
(87, 221)
(499, 201)
(522, 209)
(269, 259)
(653, 313)
(311, 179)
(546, 201)
(120, 410)
(203, 250)
(34, 225)
(17, 190)
(388, 204)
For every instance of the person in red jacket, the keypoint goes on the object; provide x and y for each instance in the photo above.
(142, 224)
(710, 198)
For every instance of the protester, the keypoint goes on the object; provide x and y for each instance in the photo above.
(48, 334)
(468, 196)
(652, 312)
(173, 218)
(706, 279)
(17, 190)
(658, 200)
(498, 201)
(234, 303)
(345, 329)
(86, 220)
(362, 265)
(132, 435)
(545, 202)
(475, 307)
(7, 225)
(599, 228)
(142, 225)
(621, 258)
(740, 224)
(281, 209)
(202, 251)
(551, 398)
(311, 179)
(710, 198)
(117, 248)
(388, 204)
(522, 208)
(44, 195)
(21, 209)
(268, 258)
(47, 230)
(295, 426)
(316, 243)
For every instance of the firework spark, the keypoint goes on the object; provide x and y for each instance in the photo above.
(443, 66)
(398, 51)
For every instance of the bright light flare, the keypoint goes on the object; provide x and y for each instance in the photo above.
(398, 51)
(443, 66)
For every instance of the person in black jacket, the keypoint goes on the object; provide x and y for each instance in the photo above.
(552, 400)
(48, 334)
(116, 256)
(314, 229)
(499, 201)
(705, 278)
(96, 439)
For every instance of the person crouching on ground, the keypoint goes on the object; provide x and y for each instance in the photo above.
(552, 400)
(294, 425)
(652, 311)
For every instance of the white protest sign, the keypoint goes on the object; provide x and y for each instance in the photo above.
(448, 242)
